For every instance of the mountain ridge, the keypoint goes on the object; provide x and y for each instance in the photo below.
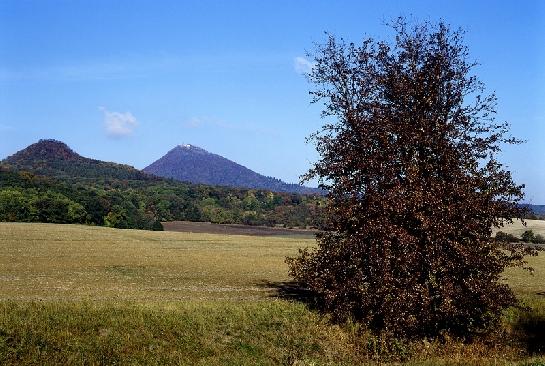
(191, 163)
(186, 163)
(52, 157)
(49, 182)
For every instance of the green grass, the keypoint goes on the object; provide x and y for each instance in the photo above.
(202, 333)
(90, 295)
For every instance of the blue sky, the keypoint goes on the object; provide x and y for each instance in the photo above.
(126, 81)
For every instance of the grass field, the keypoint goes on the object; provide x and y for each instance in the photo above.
(59, 262)
(517, 228)
(93, 295)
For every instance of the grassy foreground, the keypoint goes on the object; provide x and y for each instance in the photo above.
(92, 295)
(70, 262)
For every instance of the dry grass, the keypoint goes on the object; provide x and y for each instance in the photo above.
(529, 284)
(92, 295)
(59, 262)
(517, 228)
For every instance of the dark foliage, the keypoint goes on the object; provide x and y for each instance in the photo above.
(506, 238)
(530, 237)
(527, 236)
(189, 163)
(414, 187)
(538, 239)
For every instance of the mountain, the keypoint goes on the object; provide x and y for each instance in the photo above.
(538, 210)
(55, 158)
(49, 182)
(193, 164)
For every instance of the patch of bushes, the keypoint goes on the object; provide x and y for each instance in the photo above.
(530, 237)
(527, 237)
(506, 238)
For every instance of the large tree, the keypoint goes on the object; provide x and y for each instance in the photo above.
(408, 157)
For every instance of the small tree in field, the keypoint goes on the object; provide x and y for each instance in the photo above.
(414, 187)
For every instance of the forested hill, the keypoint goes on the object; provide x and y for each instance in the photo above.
(48, 182)
(189, 163)
(538, 211)
(55, 159)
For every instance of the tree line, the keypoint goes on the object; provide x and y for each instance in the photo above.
(143, 204)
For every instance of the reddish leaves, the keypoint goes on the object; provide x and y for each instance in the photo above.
(414, 187)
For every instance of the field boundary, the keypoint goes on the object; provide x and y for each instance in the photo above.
(235, 229)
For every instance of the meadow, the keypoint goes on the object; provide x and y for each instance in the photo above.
(517, 227)
(84, 295)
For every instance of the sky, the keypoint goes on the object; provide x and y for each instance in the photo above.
(126, 81)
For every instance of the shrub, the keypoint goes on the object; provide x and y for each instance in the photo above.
(538, 239)
(408, 159)
(528, 236)
(506, 238)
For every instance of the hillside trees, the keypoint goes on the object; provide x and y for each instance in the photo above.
(409, 159)
(142, 204)
(32, 205)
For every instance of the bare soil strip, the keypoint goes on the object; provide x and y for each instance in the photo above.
(235, 229)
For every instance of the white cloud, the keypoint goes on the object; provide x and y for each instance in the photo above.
(118, 124)
(195, 122)
(302, 65)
